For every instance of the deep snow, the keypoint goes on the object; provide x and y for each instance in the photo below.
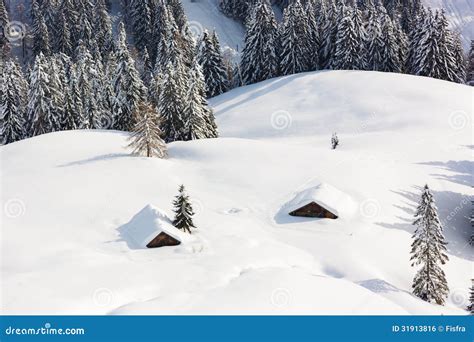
(67, 196)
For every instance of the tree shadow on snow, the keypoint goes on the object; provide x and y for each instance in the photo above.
(462, 169)
(454, 210)
(103, 157)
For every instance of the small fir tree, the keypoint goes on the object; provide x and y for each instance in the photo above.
(183, 211)
(334, 141)
(429, 251)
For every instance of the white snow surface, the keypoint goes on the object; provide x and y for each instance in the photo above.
(326, 196)
(205, 14)
(66, 197)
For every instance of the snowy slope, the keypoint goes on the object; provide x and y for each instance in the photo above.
(67, 196)
(460, 14)
(205, 14)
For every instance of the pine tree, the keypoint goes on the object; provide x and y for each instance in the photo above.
(459, 57)
(172, 105)
(348, 43)
(41, 41)
(147, 68)
(129, 90)
(40, 112)
(12, 103)
(142, 22)
(391, 51)
(334, 141)
(429, 250)
(470, 65)
(183, 211)
(103, 29)
(330, 20)
(212, 63)
(260, 57)
(146, 136)
(198, 117)
(294, 41)
(312, 39)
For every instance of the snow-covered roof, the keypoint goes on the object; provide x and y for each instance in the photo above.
(326, 196)
(148, 223)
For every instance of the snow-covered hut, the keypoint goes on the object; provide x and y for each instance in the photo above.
(152, 228)
(323, 201)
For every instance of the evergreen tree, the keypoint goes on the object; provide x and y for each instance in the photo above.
(12, 103)
(197, 125)
(432, 53)
(429, 250)
(40, 113)
(312, 39)
(129, 90)
(142, 22)
(212, 63)
(172, 105)
(41, 42)
(55, 70)
(183, 211)
(294, 41)
(347, 43)
(329, 29)
(146, 136)
(103, 29)
(334, 141)
(259, 57)
(459, 57)
(147, 68)
(62, 36)
(470, 65)
(390, 61)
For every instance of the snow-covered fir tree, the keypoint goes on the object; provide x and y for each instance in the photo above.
(429, 251)
(129, 90)
(62, 35)
(260, 59)
(146, 68)
(172, 104)
(312, 38)
(432, 54)
(329, 28)
(294, 56)
(470, 65)
(349, 42)
(142, 22)
(12, 103)
(103, 28)
(212, 63)
(391, 51)
(41, 40)
(146, 136)
(198, 117)
(334, 141)
(40, 114)
(4, 19)
(183, 210)
(459, 57)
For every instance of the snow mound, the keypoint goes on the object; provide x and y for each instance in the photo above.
(147, 224)
(327, 197)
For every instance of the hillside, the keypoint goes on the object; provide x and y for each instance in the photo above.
(68, 195)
